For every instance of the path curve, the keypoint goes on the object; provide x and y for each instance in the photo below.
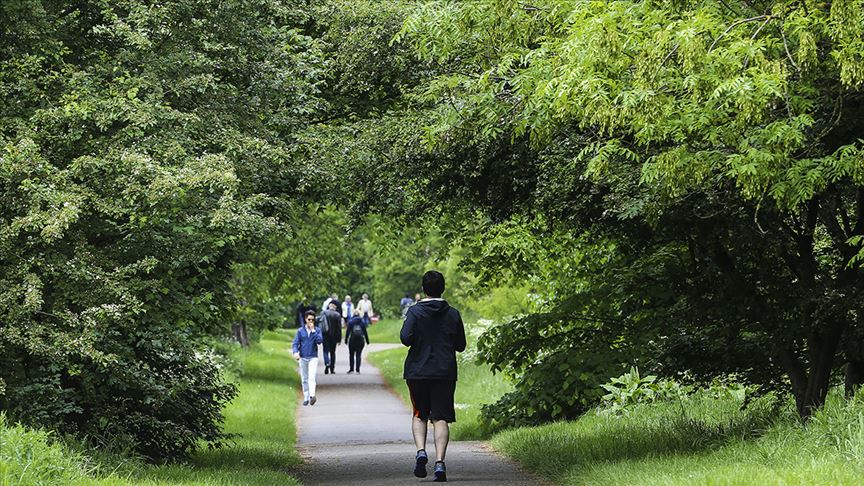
(359, 433)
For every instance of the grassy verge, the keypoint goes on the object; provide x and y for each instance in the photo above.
(707, 442)
(477, 386)
(385, 331)
(262, 415)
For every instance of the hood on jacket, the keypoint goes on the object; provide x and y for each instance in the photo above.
(431, 307)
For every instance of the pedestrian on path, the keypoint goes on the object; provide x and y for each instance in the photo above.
(347, 309)
(356, 337)
(302, 307)
(331, 329)
(333, 298)
(365, 309)
(305, 349)
(434, 333)
(404, 304)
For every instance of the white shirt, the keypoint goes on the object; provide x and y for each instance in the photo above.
(365, 307)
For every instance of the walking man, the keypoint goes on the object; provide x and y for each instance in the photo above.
(333, 298)
(356, 338)
(332, 331)
(434, 333)
(305, 349)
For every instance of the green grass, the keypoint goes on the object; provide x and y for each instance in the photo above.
(262, 415)
(476, 386)
(385, 331)
(714, 444)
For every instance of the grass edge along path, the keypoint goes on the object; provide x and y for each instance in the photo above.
(262, 453)
(716, 443)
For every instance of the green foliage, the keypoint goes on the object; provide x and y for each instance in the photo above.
(630, 389)
(254, 455)
(144, 149)
(688, 173)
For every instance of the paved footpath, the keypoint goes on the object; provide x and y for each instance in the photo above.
(359, 433)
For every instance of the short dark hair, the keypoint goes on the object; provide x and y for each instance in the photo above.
(433, 283)
(309, 313)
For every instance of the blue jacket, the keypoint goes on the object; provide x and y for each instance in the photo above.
(306, 343)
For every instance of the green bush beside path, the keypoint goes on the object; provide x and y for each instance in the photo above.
(261, 418)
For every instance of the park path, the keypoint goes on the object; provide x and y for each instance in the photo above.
(359, 433)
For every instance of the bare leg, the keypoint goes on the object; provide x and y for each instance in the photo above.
(442, 437)
(418, 428)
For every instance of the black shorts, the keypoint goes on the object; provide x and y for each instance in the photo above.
(433, 399)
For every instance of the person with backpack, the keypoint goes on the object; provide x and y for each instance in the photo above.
(434, 333)
(404, 304)
(330, 323)
(356, 337)
(305, 350)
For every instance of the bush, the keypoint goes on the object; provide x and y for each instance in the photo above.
(159, 395)
(630, 389)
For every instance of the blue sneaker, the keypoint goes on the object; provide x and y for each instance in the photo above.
(420, 465)
(440, 473)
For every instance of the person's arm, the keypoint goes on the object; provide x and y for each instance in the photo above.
(406, 335)
(295, 346)
(319, 338)
(371, 312)
(460, 343)
(347, 333)
(366, 334)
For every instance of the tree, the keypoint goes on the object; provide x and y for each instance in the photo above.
(721, 134)
(146, 149)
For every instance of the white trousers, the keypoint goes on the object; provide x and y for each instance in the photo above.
(308, 370)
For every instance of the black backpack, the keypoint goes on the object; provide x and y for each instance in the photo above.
(357, 332)
(323, 323)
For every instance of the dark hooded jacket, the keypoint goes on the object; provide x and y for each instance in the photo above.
(334, 319)
(435, 333)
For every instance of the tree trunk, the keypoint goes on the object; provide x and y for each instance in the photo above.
(238, 332)
(810, 387)
(854, 377)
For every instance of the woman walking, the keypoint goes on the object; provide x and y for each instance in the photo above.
(356, 338)
(305, 349)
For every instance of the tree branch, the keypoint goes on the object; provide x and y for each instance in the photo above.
(736, 24)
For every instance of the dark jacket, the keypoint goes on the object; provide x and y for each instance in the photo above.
(435, 332)
(306, 343)
(334, 319)
(349, 335)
